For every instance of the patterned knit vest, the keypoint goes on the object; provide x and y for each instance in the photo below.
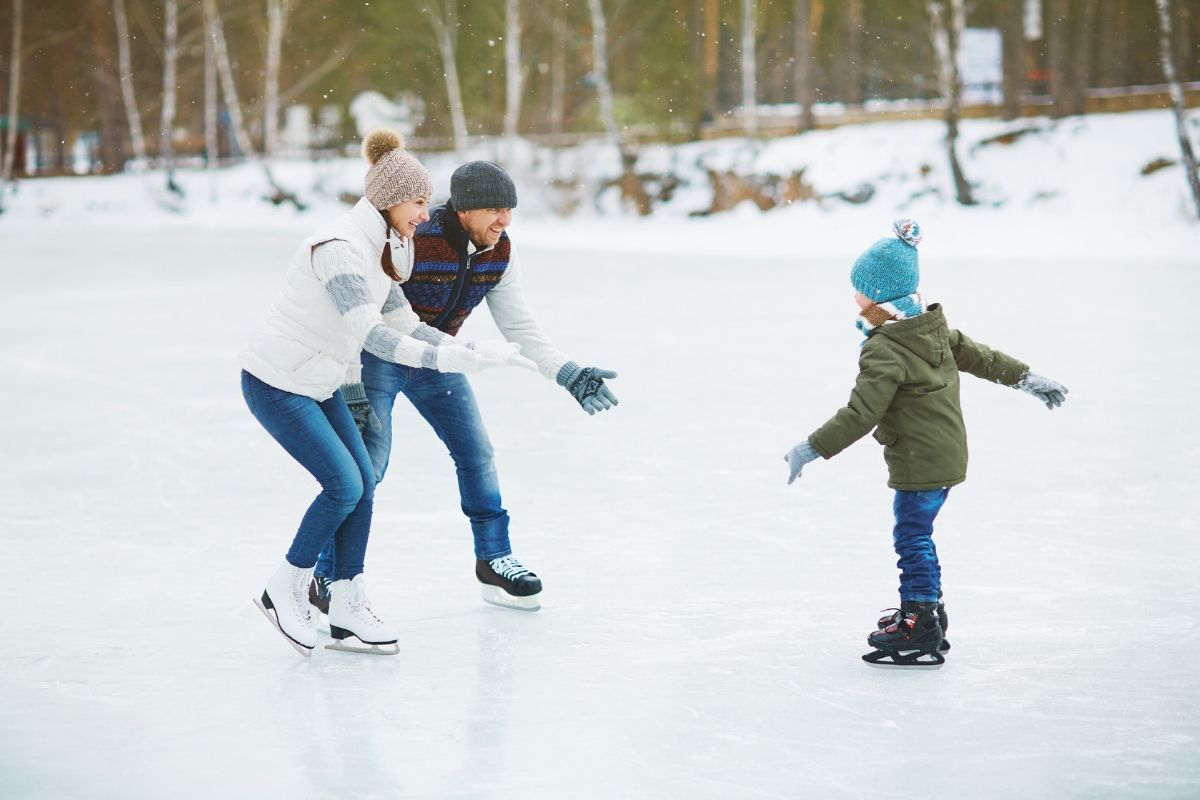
(445, 285)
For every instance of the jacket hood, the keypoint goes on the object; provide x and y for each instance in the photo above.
(927, 336)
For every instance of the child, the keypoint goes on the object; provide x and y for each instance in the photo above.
(907, 390)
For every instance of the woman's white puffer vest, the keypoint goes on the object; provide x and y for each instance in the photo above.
(303, 346)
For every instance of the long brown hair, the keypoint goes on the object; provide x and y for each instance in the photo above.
(385, 260)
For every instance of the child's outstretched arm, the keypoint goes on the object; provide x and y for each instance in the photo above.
(984, 362)
(878, 379)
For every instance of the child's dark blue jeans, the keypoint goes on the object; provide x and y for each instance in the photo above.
(920, 575)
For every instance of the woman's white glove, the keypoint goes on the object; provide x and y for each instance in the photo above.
(478, 356)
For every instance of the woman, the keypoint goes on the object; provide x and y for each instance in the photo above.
(340, 297)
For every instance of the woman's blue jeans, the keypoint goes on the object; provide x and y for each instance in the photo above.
(920, 574)
(447, 403)
(322, 436)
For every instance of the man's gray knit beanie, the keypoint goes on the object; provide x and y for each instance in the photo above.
(394, 175)
(482, 184)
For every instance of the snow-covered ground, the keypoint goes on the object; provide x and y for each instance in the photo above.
(702, 621)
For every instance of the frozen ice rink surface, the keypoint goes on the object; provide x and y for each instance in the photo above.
(702, 621)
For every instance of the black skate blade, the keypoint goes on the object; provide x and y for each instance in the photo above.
(915, 659)
(301, 649)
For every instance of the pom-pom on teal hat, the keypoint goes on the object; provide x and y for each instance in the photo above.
(889, 268)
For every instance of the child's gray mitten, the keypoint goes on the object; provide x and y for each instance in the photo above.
(797, 457)
(1052, 393)
(360, 407)
(586, 385)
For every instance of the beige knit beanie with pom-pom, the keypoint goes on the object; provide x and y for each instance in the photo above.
(394, 175)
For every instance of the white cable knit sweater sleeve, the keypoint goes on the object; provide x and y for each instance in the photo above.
(516, 322)
(339, 268)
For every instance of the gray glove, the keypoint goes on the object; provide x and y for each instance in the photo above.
(586, 385)
(1052, 393)
(360, 407)
(797, 457)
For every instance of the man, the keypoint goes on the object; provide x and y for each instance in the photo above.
(463, 255)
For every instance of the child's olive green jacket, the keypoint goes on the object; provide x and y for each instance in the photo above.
(907, 390)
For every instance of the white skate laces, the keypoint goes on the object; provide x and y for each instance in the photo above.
(508, 567)
(358, 603)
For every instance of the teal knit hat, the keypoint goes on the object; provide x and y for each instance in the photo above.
(889, 269)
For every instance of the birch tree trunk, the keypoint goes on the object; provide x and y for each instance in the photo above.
(277, 13)
(558, 73)
(136, 138)
(442, 29)
(1177, 103)
(749, 67)
(237, 121)
(166, 150)
(947, 39)
(14, 88)
(600, 69)
(212, 139)
(808, 15)
(512, 69)
(712, 57)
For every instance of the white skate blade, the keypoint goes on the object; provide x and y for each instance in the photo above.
(498, 597)
(301, 649)
(389, 649)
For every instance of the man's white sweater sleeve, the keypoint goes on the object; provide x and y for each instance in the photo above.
(516, 322)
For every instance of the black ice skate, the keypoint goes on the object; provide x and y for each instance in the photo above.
(507, 583)
(318, 594)
(910, 642)
(943, 621)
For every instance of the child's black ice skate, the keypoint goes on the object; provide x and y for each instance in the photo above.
(507, 583)
(943, 621)
(910, 642)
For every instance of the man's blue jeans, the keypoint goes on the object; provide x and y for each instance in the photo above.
(447, 403)
(920, 574)
(323, 438)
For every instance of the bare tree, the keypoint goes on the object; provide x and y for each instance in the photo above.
(600, 71)
(946, 31)
(558, 71)
(749, 67)
(1012, 33)
(166, 150)
(807, 23)
(1177, 103)
(237, 121)
(852, 67)
(512, 69)
(445, 30)
(277, 13)
(1081, 61)
(1058, 45)
(712, 56)
(212, 142)
(14, 88)
(136, 137)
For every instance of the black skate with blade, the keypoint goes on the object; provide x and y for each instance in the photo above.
(943, 621)
(508, 583)
(911, 642)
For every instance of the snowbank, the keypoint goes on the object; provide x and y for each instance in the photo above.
(1064, 189)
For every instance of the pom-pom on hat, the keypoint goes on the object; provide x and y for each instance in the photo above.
(394, 175)
(889, 268)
